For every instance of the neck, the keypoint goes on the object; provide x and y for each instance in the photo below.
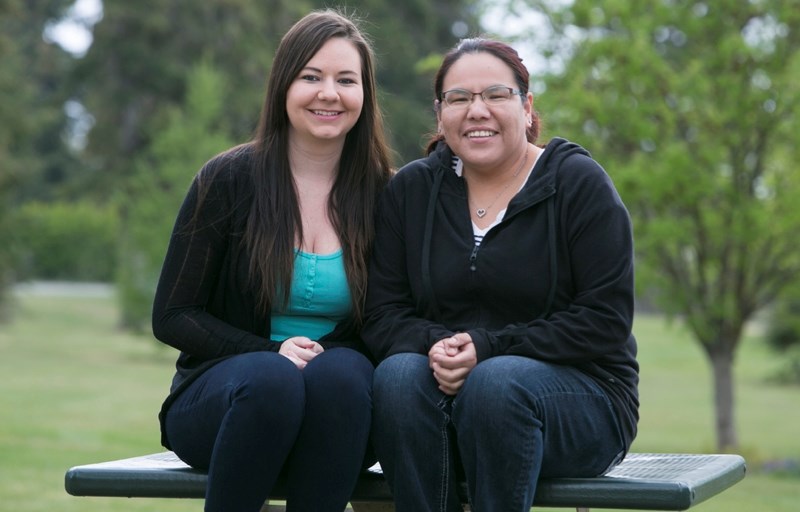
(317, 163)
(492, 177)
(488, 177)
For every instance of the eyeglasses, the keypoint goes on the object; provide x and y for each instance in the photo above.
(494, 95)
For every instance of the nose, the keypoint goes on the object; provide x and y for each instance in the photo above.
(477, 107)
(327, 90)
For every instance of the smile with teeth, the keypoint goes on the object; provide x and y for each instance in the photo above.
(326, 113)
(480, 133)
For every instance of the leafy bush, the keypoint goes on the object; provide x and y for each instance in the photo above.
(783, 335)
(66, 241)
(784, 326)
(6, 267)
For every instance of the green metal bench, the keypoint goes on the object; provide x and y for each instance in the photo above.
(643, 481)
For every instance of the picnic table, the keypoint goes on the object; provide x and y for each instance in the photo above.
(643, 481)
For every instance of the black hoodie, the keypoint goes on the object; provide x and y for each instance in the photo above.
(552, 281)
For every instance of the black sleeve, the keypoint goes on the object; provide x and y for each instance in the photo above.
(190, 275)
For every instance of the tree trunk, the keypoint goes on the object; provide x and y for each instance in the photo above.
(6, 295)
(722, 366)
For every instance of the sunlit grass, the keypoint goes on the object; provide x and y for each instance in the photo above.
(76, 390)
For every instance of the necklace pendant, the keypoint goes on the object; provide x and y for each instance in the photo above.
(480, 212)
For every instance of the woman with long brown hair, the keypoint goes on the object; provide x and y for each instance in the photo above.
(263, 284)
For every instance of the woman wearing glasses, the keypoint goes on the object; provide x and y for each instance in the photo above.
(500, 302)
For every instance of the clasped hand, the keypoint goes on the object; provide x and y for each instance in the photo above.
(451, 360)
(300, 350)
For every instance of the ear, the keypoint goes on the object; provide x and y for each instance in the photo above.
(527, 105)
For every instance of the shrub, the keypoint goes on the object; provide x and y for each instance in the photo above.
(783, 335)
(66, 241)
(784, 326)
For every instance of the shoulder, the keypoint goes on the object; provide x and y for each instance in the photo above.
(571, 164)
(231, 166)
(224, 185)
(422, 171)
(584, 188)
(410, 186)
(581, 183)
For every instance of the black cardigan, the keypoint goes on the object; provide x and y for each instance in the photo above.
(205, 304)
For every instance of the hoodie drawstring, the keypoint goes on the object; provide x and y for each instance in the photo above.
(427, 284)
(551, 241)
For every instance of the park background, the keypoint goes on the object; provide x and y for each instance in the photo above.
(690, 106)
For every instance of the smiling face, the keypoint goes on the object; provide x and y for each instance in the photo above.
(487, 138)
(325, 99)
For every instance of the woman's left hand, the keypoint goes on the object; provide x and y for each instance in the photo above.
(451, 360)
(300, 350)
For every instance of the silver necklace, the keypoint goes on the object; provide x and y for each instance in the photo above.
(481, 212)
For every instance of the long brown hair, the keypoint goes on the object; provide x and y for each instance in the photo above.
(503, 52)
(274, 222)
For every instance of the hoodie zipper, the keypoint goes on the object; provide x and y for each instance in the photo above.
(473, 257)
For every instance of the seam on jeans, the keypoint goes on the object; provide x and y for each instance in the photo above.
(444, 487)
(620, 439)
(523, 478)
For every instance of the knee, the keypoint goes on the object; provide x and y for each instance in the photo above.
(397, 375)
(490, 390)
(264, 376)
(487, 378)
(404, 388)
(339, 372)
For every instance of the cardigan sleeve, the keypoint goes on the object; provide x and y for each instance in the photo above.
(193, 273)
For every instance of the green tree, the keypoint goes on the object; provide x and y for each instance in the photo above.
(192, 133)
(142, 52)
(138, 64)
(33, 156)
(409, 39)
(692, 109)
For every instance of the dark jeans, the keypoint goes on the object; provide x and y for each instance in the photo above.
(254, 416)
(515, 420)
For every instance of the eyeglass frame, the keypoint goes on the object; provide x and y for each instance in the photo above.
(442, 100)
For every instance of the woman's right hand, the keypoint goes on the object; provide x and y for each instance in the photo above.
(300, 350)
(451, 360)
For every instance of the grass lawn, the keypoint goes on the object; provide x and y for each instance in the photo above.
(76, 390)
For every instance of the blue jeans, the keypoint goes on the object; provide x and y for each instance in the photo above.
(254, 416)
(515, 420)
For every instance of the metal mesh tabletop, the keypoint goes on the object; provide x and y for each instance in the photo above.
(643, 481)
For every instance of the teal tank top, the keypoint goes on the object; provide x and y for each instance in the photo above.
(319, 298)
